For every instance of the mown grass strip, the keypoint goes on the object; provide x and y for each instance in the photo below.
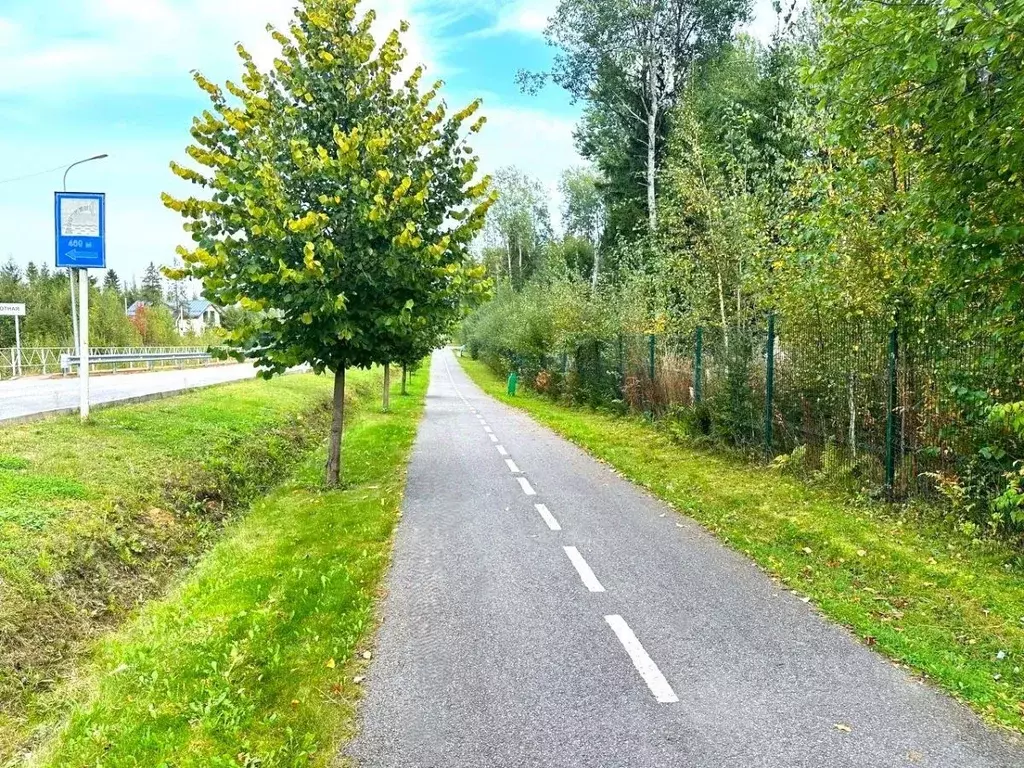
(95, 518)
(250, 661)
(911, 586)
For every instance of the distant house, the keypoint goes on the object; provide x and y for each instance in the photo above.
(133, 310)
(198, 315)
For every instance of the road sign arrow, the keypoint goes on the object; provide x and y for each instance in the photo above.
(80, 256)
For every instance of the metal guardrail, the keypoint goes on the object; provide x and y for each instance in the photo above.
(45, 361)
(69, 362)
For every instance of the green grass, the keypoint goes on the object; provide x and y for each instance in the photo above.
(250, 661)
(907, 583)
(94, 519)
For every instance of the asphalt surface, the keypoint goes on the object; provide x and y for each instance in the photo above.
(20, 398)
(496, 652)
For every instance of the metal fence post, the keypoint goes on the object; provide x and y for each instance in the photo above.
(565, 363)
(698, 367)
(650, 366)
(890, 421)
(769, 389)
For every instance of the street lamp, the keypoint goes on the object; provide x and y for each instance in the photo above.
(71, 272)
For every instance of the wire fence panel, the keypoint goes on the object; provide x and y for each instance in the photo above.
(898, 407)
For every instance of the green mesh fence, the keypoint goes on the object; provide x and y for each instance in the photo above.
(897, 408)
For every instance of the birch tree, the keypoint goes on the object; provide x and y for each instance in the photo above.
(632, 57)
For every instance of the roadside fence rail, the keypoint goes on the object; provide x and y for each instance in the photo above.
(47, 361)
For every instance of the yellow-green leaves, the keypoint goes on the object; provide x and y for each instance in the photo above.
(310, 221)
(339, 203)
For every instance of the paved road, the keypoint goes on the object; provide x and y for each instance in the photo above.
(602, 629)
(27, 397)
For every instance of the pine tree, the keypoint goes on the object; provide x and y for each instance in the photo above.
(111, 282)
(152, 290)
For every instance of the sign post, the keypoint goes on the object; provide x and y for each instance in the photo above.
(81, 231)
(17, 311)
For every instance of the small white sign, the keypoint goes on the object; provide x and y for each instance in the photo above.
(12, 310)
(79, 217)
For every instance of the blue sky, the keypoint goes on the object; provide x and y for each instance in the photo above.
(83, 77)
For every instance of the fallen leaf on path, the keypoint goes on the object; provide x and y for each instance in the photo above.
(358, 679)
(915, 757)
(367, 655)
(843, 727)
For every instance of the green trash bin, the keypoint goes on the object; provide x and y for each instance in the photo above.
(513, 383)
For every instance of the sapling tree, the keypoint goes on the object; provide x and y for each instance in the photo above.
(339, 201)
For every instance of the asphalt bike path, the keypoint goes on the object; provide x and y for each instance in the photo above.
(542, 611)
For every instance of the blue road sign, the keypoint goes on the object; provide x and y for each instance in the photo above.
(81, 228)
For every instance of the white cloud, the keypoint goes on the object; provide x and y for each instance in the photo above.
(8, 32)
(129, 44)
(125, 46)
(526, 17)
(538, 143)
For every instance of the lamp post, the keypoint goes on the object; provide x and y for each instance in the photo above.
(72, 272)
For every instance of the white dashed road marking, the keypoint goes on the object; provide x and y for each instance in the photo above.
(488, 430)
(548, 517)
(512, 467)
(589, 579)
(648, 670)
(525, 485)
(502, 451)
(494, 438)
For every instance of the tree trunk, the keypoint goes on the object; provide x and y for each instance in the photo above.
(519, 245)
(652, 170)
(652, 145)
(334, 462)
(387, 387)
(597, 268)
(405, 378)
(721, 308)
(853, 415)
(508, 250)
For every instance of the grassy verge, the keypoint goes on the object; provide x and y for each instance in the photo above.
(251, 660)
(94, 519)
(946, 605)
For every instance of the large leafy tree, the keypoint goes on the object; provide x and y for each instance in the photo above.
(340, 202)
(583, 212)
(629, 60)
(518, 224)
(932, 92)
